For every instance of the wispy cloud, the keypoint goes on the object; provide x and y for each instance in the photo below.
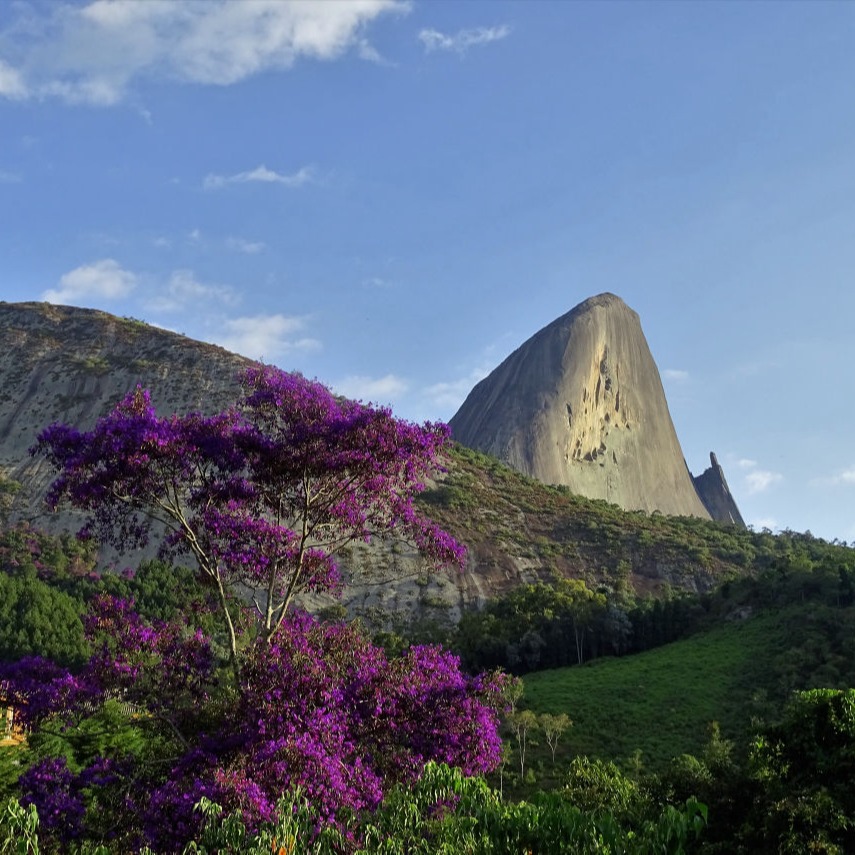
(260, 174)
(760, 480)
(184, 289)
(847, 476)
(12, 84)
(10, 177)
(461, 41)
(764, 522)
(676, 375)
(104, 279)
(844, 477)
(757, 480)
(239, 244)
(266, 336)
(92, 53)
(378, 389)
(756, 368)
(447, 396)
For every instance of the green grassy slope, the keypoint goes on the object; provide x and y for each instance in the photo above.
(662, 701)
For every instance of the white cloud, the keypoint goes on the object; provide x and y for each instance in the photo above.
(11, 83)
(760, 480)
(676, 375)
(10, 177)
(757, 480)
(376, 282)
(184, 289)
(448, 396)
(261, 174)
(365, 50)
(845, 477)
(266, 336)
(104, 279)
(92, 53)
(378, 389)
(239, 244)
(764, 522)
(461, 41)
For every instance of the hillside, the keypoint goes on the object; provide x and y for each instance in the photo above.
(662, 701)
(522, 530)
(71, 365)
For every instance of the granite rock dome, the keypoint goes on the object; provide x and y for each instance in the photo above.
(581, 403)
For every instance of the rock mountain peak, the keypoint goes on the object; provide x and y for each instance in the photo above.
(581, 403)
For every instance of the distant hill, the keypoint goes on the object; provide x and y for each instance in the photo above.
(72, 365)
(581, 404)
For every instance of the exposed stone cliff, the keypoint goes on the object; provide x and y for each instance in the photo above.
(581, 403)
(59, 363)
(715, 494)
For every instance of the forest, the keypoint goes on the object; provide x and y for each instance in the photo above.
(160, 710)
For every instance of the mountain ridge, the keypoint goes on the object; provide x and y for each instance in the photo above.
(72, 365)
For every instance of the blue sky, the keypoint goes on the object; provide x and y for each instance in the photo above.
(392, 196)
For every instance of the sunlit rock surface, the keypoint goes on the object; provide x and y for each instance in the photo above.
(581, 404)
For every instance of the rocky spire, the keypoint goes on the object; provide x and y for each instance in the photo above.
(715, 494)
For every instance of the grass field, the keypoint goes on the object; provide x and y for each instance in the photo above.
(662, 701)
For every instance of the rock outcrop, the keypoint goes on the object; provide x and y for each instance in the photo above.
(59, 363)
(581, 404)
(716, 496)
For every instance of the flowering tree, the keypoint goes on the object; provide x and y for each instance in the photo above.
(263, 495)
(321, 709)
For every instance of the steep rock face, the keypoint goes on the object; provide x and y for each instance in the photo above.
(72, 365)
(716, 496)
(59, 363)
(581, 403)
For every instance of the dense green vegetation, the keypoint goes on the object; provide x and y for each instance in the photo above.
(681, 695)
(661, 702)
(442, 813)
(45, 582)
(792, 794)
(498, 512)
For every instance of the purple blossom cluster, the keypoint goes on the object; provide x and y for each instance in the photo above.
(55, 791)
(263, 494)
(320, 708)
(38, 689)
